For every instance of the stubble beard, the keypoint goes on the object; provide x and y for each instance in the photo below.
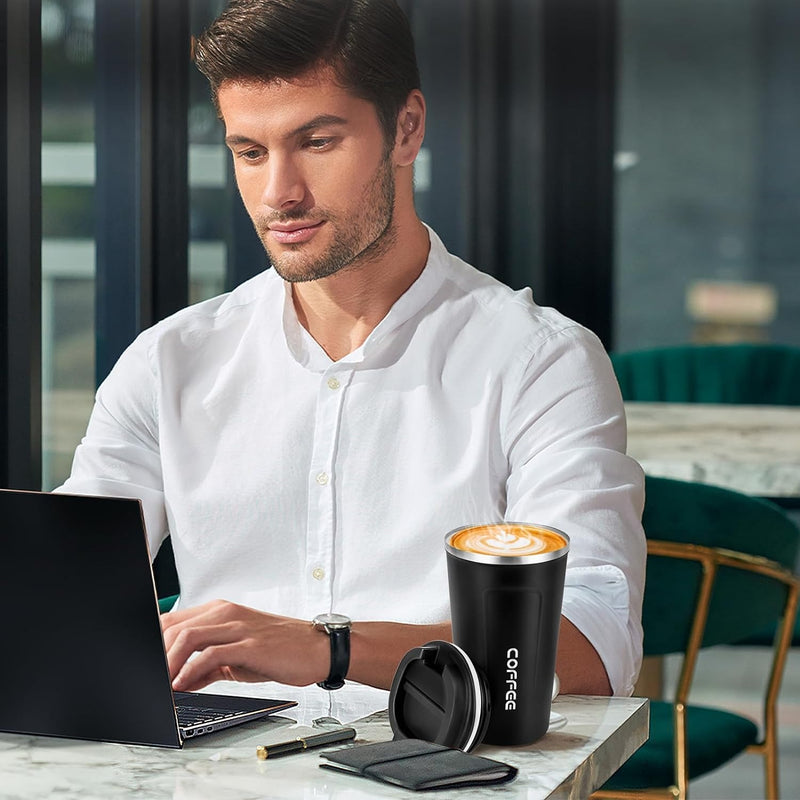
(366, 236)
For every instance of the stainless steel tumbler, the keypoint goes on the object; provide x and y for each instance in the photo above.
(506, 584)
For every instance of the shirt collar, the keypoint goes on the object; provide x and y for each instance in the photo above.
(308, 353)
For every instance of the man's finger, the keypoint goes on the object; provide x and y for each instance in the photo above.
(185, 641)
(212, 664)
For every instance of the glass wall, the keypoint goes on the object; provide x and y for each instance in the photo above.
(708, 172)
(68, 217)
(68, 253)
(208, 176)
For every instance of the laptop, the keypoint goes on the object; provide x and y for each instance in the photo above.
(83, 655)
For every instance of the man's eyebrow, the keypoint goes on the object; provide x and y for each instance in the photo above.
(317, 122)
(235, 139)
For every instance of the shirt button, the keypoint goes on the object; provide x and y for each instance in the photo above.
(333, 383)
(318, 573)
(322, 479)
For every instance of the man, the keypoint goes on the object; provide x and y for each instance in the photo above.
(309, 439)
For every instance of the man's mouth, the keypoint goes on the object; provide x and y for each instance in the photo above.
(293, 232)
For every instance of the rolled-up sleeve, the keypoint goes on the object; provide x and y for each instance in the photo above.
(568, 468)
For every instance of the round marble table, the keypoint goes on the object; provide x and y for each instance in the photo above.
(752, 449)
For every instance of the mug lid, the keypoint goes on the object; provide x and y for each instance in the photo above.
(439, 696)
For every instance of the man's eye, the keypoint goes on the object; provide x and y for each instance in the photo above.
(250, 155)
(318, 143)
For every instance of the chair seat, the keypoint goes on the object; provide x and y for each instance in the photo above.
(715, 737)
(165, 603)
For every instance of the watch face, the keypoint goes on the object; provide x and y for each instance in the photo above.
(333, 620)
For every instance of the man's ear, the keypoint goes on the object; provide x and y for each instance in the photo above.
(410, 129)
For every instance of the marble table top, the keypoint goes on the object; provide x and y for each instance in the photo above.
(752, 449)
(599, 735)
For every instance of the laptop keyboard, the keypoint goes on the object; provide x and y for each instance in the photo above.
(192, 715)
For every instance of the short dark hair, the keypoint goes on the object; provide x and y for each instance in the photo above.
(367, 43)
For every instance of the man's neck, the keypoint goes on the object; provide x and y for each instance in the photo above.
(341, 311)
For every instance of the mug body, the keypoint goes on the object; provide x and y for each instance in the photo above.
(506, 614)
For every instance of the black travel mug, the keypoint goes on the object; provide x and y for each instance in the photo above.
(506, 585)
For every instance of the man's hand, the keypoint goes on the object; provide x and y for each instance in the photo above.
(235, 643)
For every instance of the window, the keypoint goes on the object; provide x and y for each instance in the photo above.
(708, 172)
(68, 251)
(69, 329)
(208, 177)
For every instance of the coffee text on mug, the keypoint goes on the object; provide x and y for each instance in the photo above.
(512, 662)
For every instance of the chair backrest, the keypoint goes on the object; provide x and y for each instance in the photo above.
(762, 374)
(743, 600)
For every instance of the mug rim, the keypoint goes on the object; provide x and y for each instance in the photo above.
(486, 558)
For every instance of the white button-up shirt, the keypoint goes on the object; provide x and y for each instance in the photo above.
(297, 485)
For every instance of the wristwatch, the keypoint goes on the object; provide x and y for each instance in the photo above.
(337, 626)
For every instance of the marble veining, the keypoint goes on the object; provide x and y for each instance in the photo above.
(568, 763)
(752, 449)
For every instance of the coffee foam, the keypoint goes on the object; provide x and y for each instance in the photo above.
(507, 539)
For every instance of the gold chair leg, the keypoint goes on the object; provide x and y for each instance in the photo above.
(768, 750)
(771, 773)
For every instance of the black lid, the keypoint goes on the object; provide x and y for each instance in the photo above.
(438, 695)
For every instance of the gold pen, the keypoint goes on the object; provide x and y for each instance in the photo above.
(301, 743)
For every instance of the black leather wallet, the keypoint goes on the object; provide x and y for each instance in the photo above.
(415, 764)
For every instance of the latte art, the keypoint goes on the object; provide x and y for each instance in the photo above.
(507, 539)
(510, 541)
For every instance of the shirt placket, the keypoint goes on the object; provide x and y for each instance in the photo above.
(321, 531)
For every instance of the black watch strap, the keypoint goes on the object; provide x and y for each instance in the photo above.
(340, 658)
(338, 629)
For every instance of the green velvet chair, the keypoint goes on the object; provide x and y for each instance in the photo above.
(166, 576)
(165, 603)
(719, 567)
(747, 374)
(164, 569)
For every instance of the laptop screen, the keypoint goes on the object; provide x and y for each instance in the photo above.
(83, 653)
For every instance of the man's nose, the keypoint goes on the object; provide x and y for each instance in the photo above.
(284, 187)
